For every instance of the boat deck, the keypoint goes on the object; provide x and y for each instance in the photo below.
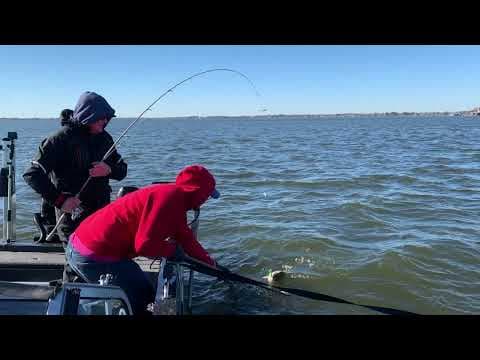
(39, 258)
(20, 262)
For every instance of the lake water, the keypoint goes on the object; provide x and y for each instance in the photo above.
(379, 211)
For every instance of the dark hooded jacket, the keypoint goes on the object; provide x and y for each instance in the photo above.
(64, 158)
(65, 116)
(90, 108)
(150, 221)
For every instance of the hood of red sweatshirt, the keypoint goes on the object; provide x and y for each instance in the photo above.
(198, 183)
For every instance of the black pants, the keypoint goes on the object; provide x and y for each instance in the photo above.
(68, 226)
(48, 213)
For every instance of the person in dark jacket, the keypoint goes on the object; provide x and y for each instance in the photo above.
(66, 159)
(48, 211)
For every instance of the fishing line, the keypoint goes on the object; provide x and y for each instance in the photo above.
(77, 211)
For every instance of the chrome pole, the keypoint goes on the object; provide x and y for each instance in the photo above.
(9, 202)
(179, 295)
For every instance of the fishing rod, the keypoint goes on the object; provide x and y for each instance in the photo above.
(77, 211)
(225, 274)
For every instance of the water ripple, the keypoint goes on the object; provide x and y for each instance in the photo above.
(381, 211)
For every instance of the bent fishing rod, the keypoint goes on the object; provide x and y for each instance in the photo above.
(112, 148)
(223, 273)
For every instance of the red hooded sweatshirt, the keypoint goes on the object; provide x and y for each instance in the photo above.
(148, 221)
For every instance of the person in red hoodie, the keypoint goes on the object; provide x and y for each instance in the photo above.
(148, 222)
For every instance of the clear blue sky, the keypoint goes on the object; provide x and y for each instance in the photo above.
(39, 81)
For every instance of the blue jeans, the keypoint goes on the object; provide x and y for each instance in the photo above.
(126, 274)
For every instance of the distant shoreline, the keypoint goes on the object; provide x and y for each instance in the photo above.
(296, 116)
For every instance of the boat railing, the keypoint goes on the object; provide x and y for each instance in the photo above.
(172, 272)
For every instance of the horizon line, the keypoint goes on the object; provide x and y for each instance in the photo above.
(388, 113)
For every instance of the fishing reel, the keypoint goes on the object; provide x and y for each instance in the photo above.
(77, 212)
